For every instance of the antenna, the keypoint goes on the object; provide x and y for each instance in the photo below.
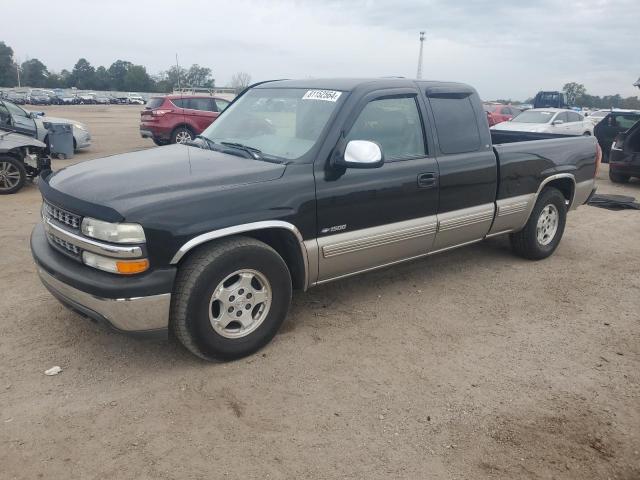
(419, 74)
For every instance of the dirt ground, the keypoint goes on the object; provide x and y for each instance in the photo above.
(471, 364)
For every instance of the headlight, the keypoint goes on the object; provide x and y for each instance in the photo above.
(113, 265)
(113, 232)
(79, 126)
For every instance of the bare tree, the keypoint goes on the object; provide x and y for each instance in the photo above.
(240, 81)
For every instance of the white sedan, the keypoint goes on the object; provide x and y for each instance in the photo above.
(548, 120)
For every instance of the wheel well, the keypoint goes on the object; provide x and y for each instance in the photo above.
(289, 248)
(282, 241)
(565, 185)
(16, 153)
(182, 125)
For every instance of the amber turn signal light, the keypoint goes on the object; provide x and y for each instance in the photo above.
(130, 267)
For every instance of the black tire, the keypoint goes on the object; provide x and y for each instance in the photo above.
(616, 177)
(586, 134)
(179, 132)
(525, 243)
(199, 277)
(9, 168)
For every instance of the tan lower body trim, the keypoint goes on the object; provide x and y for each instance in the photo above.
(512, 213)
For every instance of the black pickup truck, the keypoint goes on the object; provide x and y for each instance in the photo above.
(296, 184)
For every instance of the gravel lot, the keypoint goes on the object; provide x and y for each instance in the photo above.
(471, 364)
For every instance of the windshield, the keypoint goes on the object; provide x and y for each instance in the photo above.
(489, 107)
(281, 122)
(530, 116)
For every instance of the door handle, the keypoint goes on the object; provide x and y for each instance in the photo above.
(427, 180)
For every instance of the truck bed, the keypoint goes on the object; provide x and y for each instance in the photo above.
(525, 158)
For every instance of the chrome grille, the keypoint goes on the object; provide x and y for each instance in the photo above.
(64, 245)
(62, 216)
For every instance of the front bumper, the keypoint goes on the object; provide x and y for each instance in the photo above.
(129, 315)
(136, 304)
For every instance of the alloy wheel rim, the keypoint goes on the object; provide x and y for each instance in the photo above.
(240, 303)
(183, 136)
(547, 225)
(9, 175)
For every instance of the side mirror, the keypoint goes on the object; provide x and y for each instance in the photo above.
(557, 122)
(361, 154)
(35, 115)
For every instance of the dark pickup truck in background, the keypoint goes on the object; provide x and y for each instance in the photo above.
(296, 184)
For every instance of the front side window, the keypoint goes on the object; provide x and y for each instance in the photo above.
(204, 104)
(574, 117)
(281, 122)
(393, 123)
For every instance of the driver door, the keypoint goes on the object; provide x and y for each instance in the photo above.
(372, 217)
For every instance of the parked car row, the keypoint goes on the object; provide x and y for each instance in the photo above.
(65, 97)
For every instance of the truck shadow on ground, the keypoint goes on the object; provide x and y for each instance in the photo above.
(92, 341)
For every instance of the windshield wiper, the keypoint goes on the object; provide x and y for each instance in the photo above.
(254, 152)
(210, 143)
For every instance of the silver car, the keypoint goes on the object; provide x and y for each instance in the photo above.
(33, 124)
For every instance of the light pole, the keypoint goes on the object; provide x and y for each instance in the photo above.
(419, 74)
(18, 71)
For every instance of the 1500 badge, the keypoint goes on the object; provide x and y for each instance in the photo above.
(335, 228)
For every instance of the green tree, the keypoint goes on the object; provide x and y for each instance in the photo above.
(573, 91)
(198, 76)
(83, 75)
(137, 79)
(102, 79)
(174, 77)
(8, 72)
(118, 71)
(34, 73)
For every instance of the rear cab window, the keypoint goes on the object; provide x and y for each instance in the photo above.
(455, 124)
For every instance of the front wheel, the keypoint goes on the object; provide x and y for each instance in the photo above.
(230, 298)
(542, 234)
(12, 175)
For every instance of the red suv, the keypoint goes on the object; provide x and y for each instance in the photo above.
(498, 113)
(178, 118)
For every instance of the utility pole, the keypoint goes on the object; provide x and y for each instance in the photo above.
(419, 75)
(18, 71)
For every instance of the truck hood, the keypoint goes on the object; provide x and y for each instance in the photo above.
(115, 187)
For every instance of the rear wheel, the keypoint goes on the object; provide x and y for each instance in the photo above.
(230, 298)
(182, 135)
(616, 177)
(542, 234)
(12, 175)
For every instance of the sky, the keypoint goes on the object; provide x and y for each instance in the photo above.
(504, 49)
